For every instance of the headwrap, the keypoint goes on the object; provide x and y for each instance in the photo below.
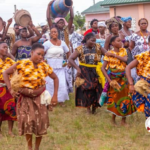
(58, 19)
(102, 24)
(43, 24)
(126, 19)
(114, 20)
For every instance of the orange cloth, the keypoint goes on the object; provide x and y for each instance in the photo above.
(4, 65)
(143, 68)
(33, 77)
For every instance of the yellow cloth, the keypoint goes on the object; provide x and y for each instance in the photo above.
(5, 65)
(114, 62)
(143, 68)
(33, 77)
(98, 70)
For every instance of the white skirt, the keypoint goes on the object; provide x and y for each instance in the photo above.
(62, 90)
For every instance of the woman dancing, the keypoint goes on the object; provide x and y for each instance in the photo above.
(32, 115)
(89, 54)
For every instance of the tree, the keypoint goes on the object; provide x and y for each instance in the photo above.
(78, 21)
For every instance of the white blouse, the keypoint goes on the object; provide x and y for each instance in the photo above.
(54, 54)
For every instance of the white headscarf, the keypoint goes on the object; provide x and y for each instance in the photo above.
(43, 24)
(102, 24)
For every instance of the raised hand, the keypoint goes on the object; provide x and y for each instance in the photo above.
(31, 24)
(50, 3)
(10, 21)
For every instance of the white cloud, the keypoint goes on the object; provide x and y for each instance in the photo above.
(37, 8)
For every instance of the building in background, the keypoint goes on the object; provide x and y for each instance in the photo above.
(135, 8)
(97, 12)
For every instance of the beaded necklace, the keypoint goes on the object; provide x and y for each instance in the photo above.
(144, 37)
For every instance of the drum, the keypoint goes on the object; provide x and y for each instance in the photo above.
(22, 17)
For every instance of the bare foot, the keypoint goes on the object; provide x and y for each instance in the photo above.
(93, 110)
(11, 134)
(62, 104)
(124, 124)
(50, 108)
(114, 123)
(89, 111)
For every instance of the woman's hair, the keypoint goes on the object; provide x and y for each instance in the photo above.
(91, 23)
(87, 37)
(113, 39)
(141, 20)
(53, 27)
(36, 45)
(120, 26)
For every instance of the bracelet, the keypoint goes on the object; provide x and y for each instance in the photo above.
(131, 84)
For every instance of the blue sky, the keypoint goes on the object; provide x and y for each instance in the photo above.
(37, 8)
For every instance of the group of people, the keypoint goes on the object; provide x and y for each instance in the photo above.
(107, 61)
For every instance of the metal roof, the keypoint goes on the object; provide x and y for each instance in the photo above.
(122, 2)
(97, 8)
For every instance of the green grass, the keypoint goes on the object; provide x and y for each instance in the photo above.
(72, 129)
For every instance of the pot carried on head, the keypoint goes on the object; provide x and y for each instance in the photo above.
(22, 17)
(60, 8)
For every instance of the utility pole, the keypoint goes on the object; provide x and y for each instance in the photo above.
(15, 8)
(93, 2)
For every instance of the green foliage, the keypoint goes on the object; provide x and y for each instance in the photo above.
(79, 20)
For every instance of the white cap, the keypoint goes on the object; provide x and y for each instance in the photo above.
(102, 23)
(43, 24)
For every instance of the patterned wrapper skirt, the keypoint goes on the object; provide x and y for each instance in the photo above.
(7, 105)
(89, 93)
(32, 116)
(141, 102)
(119, 102)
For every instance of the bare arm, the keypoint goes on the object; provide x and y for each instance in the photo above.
(132, 65)
(31, 33)
(131, 45)
(7, 73)
(106, 46)
(71, 59)
(104, 71)
(71, 18)
(56, 84)
(68, 55)
(10, 56)
(38, 34)
(49, 20)
(14, 49)
(124, 59)
(103, 50)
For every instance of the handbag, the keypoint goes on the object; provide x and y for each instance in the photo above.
(46, 98)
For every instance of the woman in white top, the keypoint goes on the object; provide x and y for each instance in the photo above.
(54, 51)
